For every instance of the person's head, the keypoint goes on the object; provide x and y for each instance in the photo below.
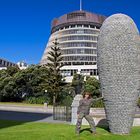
(87, 95)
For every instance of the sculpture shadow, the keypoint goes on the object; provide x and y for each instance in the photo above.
(13, 118)
(86, 129)
(103, 124)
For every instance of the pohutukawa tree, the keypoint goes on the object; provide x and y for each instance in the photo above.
(55, 80)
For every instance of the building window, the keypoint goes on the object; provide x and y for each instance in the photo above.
(92, 26)
(79, 44)
(72, 26)
(0, 61)
(79, 25)
(79, 58)
(87, 26)
(68, 72)
(94, 38)
(76, 15)
(66, 27)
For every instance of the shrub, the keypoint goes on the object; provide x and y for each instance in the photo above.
(138, 102)
(36, 100)
(98, 104)
(67, 101)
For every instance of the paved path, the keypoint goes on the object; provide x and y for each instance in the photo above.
(36, 109)
(36, 114)
(27, 114)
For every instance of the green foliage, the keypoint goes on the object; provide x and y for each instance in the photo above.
(138, 103)
(3, 74)
(92, 85)
(54, 82)
(19, 85)
(12, 70)
(30, 84)
(67, 101)
(8, 89)
(16, 85)
(36, 100)
(68, 89)
(66, 96)
(78, 83)
(98, 104)
(77, 79)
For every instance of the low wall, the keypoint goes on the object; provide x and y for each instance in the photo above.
(43, 109)
(100, 118)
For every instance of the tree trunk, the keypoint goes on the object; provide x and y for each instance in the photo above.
(54, 99)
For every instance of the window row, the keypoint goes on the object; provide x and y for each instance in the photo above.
(79, 44)
(80, 31)
(75, 26)
(78, 38)
(78, 63)
(89, 71)
(79, 58)
(68, 72)
(93, 72)
(79, 51)
(76, 15)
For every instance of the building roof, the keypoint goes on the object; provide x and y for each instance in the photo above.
(78, 16)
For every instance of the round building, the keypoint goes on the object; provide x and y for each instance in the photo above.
(77, 34)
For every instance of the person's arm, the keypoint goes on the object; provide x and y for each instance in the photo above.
(79, 107)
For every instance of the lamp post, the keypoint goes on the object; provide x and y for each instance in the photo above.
(45, 104)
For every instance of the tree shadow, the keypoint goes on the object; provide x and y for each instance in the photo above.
(13, 118)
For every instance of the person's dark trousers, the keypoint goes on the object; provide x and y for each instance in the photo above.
(89, 119)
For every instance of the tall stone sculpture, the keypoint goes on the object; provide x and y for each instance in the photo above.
(119, 70)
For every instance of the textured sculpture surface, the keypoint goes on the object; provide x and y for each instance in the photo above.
(119, 70)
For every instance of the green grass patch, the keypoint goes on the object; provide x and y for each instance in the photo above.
(11, 130)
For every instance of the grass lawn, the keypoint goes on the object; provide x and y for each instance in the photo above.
(10, 130)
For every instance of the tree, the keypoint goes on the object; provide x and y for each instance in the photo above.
(18, 85)
(12, 70)
(30, 81)
(54, 82)
(7, 84)
(92, 85)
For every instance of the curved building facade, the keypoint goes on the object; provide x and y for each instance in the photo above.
(4, 64)
(77, 34)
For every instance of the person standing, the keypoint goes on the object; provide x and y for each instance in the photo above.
(83, 112)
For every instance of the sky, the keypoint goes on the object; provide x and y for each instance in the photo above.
(25, 24)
